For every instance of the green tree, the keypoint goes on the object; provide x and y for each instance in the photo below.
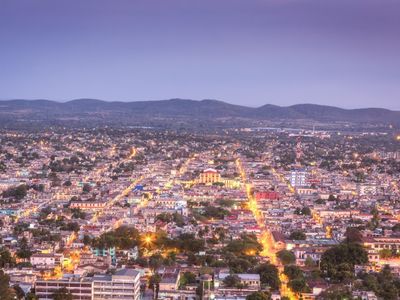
(24, 251)
(6, 258)
(31, 296)
(336, 293)
(6, 293)
(293, 271)
(384, 284)
(299, 285)
(232, 281)
(269, 275)
(297, 235)
(353, 235)
(338, 262)
(155, 261)
(187, 278)
(286, 257)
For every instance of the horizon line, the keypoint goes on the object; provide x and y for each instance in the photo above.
(194, 100)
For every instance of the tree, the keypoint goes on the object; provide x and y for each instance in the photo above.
(384, 284)
(6, 293)
(338, 262)
(24, 249)
(87, 240)
(86, 188)
(18, 292)
(239, 264)
(5, 258)
(293, 271)
(353, 235)
(62, 294)
(286, 257)
(155, 261)
(77, 213)
(187, 278)
(385, 253)
(305, 211)
(154, 283)
(309, 262)
(336, 293)
(232, 281)
(269, 275)
(258, 296)
(299, 285)
(68, 183)
(31, 296)
(18, 193)
(247, 243)
(297, 235)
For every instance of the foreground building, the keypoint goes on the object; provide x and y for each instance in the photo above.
(123, 285)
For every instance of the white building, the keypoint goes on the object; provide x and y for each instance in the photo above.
(46, 259)
(298, 178)
(123, 285)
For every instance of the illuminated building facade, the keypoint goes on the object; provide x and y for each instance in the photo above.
(209, 176)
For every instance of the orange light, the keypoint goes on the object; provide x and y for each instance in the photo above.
(148, 239)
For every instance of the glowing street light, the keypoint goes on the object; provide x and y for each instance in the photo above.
(148, 239)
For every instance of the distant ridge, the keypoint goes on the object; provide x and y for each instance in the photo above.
(185, 109)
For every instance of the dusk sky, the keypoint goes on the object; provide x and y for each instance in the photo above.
(340, 52)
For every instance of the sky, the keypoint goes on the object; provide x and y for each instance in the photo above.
(343, 53)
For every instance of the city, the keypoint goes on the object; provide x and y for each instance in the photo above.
(157, 214)
(199, 150)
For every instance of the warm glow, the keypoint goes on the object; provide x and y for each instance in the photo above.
(148, 239)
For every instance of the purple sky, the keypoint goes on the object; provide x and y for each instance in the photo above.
(252, 52)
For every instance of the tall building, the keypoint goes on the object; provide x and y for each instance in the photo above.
(123, 285)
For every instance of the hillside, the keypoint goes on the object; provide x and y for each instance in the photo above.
(90, 110)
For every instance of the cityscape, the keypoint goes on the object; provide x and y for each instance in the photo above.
(117, 213)
(199, 150)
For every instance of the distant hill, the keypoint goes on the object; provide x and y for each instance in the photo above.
(182, 109)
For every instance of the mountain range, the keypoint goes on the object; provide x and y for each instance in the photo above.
(182, 109)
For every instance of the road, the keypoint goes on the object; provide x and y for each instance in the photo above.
(265, 239)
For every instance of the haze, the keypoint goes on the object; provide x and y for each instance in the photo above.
(343, 53)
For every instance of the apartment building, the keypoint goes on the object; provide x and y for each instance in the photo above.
(123, 285)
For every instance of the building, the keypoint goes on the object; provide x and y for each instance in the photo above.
(170, 279)
(298, 178)
(250, 281)
(79, 287)
(46, 259)
(123, 285)
(88, 204)
(209, 176)
(105, 252)
(266, 195)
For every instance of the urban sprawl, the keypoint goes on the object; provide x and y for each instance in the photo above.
(144, 213)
